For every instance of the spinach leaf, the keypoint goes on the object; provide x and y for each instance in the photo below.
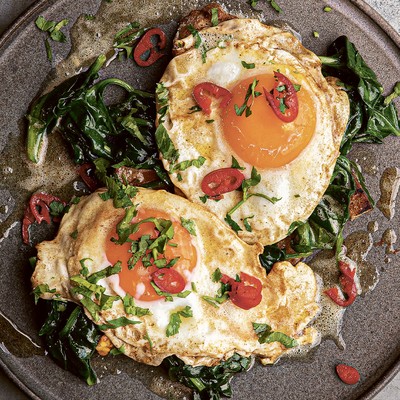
(71, 338)
(121, 134)
(270, 256)
(207, 382)
(372, 119)
(324, 227)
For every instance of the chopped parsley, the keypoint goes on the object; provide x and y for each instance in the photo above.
(251, 92)
(266, 335)
(214, 17)
(189, 225)
(117, 323)
(254, 180)
(175, 320)
(42, 289)
(248, 66)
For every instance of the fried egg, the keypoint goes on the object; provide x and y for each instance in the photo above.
(77, 266)
(294, 159)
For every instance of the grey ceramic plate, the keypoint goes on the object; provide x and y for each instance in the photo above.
(371, 326)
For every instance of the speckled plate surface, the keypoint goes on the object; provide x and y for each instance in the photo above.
(371, 326)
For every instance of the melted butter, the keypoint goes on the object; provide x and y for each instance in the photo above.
(95, 36)
(372, 226)
(358, 245)
(329, 322)
(389, 238)
(56, 176)
(389, 186)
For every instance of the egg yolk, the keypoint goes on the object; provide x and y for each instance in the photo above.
(137, 281)
(262, 139)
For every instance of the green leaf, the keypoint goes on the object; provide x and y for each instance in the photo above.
(84, 271)
(175, 320)
(70, 338)
(165, 145)
(247, 224)
(131, 308)
(189, 225)
(393, 95)
(248, 65)
(235, 164)
(41, 289)
(214, 17)
(196, 36)
(105, 272)
(207, 382)
(233, 224)
(117, 323)
(266, 335)
(217, 275)
(183, 165)
(275, 6)
(371, 120)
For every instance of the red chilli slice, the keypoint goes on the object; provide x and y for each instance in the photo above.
(38, 211)
(245, 294)
(203, 93)
(347, 374)
(221, 181)
(146, 52)
(86, 172)
(348, 285)
(169, 280)
(286, 97)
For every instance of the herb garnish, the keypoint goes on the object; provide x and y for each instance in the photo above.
(254, 180)
(164, 142)
(175, 320)
(266, 335)
(41, 289)
(248, 66)
(214, 17)
(198, 42)
(117, 323)
(251, 92)
(189, 225)
(208, 382)
(53, 28)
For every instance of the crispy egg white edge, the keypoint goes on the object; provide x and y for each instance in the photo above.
(197, 138)
(220, 331)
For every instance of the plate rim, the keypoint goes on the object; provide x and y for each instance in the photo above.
(13, 28)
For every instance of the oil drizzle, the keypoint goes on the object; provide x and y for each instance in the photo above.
(389, 186)
(14, 341)
(330, 320)
(358, 245)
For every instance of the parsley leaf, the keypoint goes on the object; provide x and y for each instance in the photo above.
(175, 320)
(189, 225)
(117, 323)
(132, 309)
(41, 289)
(266, 335)
(251, 92)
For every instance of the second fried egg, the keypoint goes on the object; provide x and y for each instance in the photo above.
(287, 165)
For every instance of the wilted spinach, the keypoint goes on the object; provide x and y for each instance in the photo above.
(121, 133)
(71, 338)
(208, 383)
(371, 118)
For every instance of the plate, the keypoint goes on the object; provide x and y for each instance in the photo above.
(371, 326)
